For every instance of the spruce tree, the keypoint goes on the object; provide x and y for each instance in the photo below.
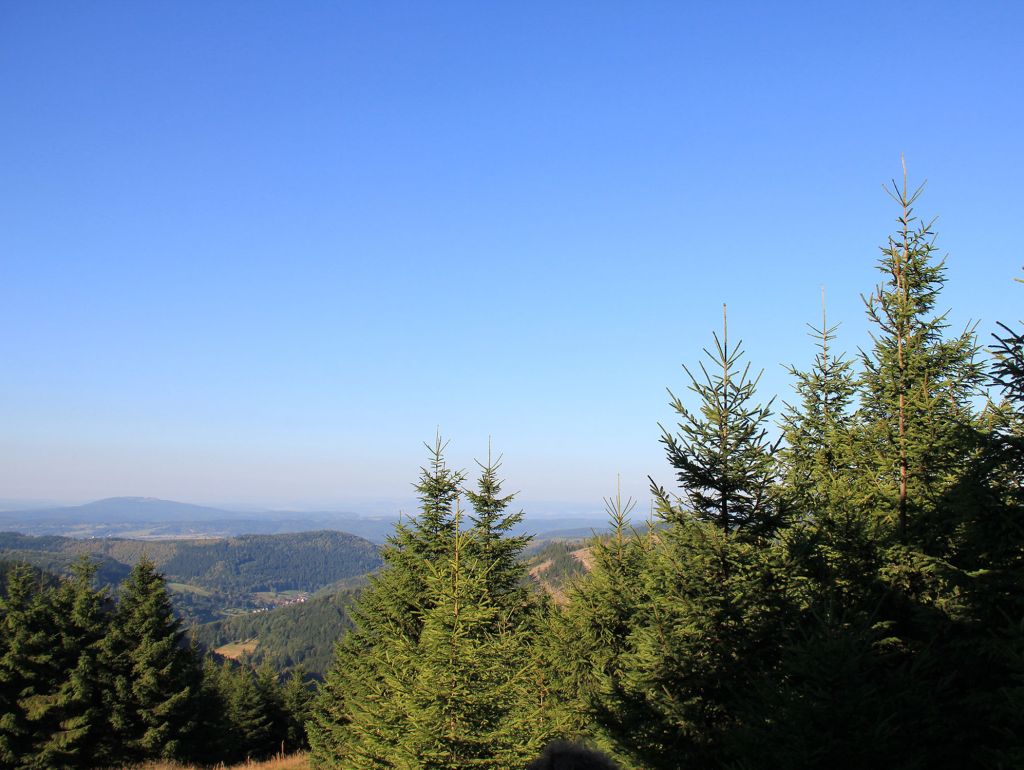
(604, 609)
(27, 670)
(296, 700)
(493, 542)
(721, 452)
(359, 717)
(435, 673)
(815, 455)
(68, 719)
(917, 384)
(470, 673)
(154, 678)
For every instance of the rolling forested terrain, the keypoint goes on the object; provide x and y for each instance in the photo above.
(210, 577)
(304, 634)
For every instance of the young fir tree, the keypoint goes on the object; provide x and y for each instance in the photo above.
(722, 455)
(296, 701)
(815, 456)
(249, 698)
(359, 717)
(470, 663)
(154, 679)
(435, 672)
(492, 541)
(603, 611)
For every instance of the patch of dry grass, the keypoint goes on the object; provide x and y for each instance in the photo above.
(291, 762)
(235, 650)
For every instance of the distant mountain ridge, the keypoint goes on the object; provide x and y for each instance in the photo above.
(151, 517)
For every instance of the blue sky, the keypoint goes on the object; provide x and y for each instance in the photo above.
(256, 253)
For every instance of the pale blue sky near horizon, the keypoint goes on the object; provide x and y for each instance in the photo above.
(257, 253)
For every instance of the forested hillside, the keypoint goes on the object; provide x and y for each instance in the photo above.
(305, 634)
(210, 577)
(285, 637)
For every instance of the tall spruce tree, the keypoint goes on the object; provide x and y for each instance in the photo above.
(360, 717)
(154, 678)
(470, 673)
(917, 384)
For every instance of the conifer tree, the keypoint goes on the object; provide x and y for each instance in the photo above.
(604, 609)
(26, 663)
(249, 702)
(816, 431)
(153, 677)
(917, 384)
(435, 672)
(359, 717)
(493, 542)
(68, 719)
(721, 453)
(296, 700)
(463, 703)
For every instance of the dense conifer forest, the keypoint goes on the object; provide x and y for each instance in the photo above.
(836, 582)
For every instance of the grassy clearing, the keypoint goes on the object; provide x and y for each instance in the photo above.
(188, 588)
(235, 650)
(292, 762)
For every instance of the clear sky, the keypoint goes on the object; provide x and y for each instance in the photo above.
(258, 252)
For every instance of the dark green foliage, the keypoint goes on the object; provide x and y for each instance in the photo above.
(437, 671)
(297, 634)
(492, 541)
(296, 703)
(722, 456)
(304, 561)
(153, 674)
(26, 667)
(52, 715)
(87, 684)
(872, 612)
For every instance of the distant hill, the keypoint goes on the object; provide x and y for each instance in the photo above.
(216, 576)
(150, 518)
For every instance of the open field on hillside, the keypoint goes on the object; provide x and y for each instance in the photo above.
(235, 650)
